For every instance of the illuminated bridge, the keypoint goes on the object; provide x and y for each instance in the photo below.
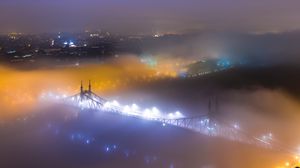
(208, 125)
(86, 99)
(204, 124)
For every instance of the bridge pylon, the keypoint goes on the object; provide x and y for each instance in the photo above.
(81, 88)
(90, 86)
(84, 92)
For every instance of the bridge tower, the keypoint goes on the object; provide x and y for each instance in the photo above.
(90, 87)
(84, 92)
(213, 104)
(81, 88)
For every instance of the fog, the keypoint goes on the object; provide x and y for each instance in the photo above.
(21, 89)
(251, 104)
(255, 48)
(243, 95)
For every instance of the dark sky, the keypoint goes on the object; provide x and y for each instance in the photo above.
(141, 16)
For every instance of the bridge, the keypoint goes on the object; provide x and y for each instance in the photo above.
(86, 99)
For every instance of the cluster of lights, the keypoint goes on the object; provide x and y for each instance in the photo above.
(134, 110)
(110, 148)
(50, 96)
(84, 139)
(78, 137)
(294, 163)
(70, 44)
(266, 139)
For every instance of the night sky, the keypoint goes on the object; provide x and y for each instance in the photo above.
(140, 16)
